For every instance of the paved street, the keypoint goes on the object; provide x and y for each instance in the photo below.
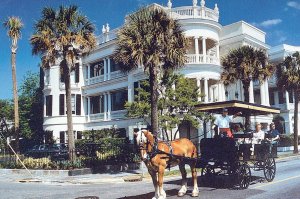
(285, 185)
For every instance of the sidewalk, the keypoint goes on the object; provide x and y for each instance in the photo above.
(120, 177)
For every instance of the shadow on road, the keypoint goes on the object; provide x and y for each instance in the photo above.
(171, 192)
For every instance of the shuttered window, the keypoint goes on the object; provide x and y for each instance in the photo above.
(78, 104)
(77, 73)
(61, 104)
(49, 105)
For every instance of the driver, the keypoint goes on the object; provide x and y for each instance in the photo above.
(223, 122)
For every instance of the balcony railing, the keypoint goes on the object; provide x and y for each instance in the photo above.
(187, 12)
(117, 114)
(97, 116)
(117, 74)
(200, 59)
(99, 79)
(106, 37)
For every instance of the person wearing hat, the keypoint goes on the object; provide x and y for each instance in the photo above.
(223, 122)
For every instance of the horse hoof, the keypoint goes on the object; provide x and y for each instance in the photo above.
(180, 194)
(195, 194)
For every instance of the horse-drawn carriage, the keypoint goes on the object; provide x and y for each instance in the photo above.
(218, 156)
(230, 157)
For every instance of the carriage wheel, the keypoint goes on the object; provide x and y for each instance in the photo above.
(269, 168)
(207, 171)
(244, 176)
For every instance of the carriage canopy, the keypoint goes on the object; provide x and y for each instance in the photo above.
(235, 106)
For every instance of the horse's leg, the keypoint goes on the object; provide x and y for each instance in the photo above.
(154, 181)
(195, 192)
(183, 188)
(162, 194)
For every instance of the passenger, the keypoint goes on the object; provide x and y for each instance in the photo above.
(258, 136)
(223, 122)
(273, 134)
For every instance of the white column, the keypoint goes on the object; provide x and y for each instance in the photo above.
(199, 89)
(197, 49)
(267, 98)
(89, 108)
(262, 94)
(105, 106)
(108, 68)
(218, 49)
(105, 70)
(204, 49)
(89, 74)
(287, 100)
(251, 93)
(108, 105)
(206, 90)
(130, 91)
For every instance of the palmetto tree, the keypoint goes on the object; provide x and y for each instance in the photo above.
(61, 37)
(151, 39)
(288, 79)
(14, 26)
(246, 64)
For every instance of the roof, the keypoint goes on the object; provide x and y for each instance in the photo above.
(235, 106)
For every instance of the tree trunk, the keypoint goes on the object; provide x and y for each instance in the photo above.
(246, 86)
(71, 143)
(16, 100)
(296, 122)
(154, 98)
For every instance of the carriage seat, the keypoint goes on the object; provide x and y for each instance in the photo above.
(218, 149)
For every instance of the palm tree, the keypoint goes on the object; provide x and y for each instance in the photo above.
(288, 79)
(61, 37)
(14, 26)
(246, 64)
(151, 39)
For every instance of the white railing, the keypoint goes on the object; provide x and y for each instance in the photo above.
(194, 12)
(95, 80)
(106, 37)
(117, 74)
(199, 59)
(117, 114)
(97, 116)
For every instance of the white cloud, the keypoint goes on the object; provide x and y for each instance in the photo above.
(294, 4)
(268, 23)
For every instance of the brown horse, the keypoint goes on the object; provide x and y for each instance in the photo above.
(178, 152)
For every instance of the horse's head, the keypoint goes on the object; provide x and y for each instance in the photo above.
(143, 140)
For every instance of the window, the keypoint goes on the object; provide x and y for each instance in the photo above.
(118, 100)
(114, 66)
(73, 103)
(62, 137)
(281, 97)
(78, 104)
(77, 72)
(49, 105)
(62, 79)
(272, 98)
(291, 97)
(97, 69)
(97, 104)
(61, 104)
(79, 135)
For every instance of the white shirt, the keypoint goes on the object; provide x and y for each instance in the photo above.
(223, 122)
(258, 136)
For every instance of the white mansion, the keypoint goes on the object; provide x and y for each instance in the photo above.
(100, 89)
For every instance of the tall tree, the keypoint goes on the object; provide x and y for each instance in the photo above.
(61, 37)
(288, 79)
(153, 40)
(14, 26)
(246, 64)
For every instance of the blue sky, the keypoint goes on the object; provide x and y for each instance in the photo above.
(278, 18)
